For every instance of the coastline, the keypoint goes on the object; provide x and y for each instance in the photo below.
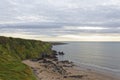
(99, 70)
(49, 69)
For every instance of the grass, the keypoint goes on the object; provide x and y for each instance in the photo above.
(13, 51)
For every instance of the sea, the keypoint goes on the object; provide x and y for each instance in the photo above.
(101, 56)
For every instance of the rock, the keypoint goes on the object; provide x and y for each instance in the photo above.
(66, 62)
(55, 59)
(67, 65)
(61, 53)
(65, 77)
(35, 59)
(77, 76)
(53, 66)
(54, 52)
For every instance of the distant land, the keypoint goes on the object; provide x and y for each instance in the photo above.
(58, 43)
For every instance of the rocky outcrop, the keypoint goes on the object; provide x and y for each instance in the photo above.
(61, 53)
(53, 65)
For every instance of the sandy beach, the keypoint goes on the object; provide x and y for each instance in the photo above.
(48, 69)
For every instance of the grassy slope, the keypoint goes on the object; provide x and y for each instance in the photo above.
(13, 51)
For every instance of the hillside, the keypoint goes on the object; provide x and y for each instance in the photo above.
(13, 51)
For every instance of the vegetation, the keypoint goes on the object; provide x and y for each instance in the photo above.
(13, 51)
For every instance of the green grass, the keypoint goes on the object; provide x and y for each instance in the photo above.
(13, 51)
(15, 71)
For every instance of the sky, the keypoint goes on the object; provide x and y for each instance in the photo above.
(61, 20)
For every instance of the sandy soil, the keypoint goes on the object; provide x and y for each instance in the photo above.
(46, 71)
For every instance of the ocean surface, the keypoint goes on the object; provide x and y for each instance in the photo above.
(103, 56)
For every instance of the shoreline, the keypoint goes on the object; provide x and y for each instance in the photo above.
(99, 70)
(49, 69)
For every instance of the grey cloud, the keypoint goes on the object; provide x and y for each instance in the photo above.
(60, 11)
(48, 17)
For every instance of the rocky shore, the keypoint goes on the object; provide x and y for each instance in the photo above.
(52, 69)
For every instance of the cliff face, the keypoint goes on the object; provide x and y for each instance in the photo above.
(13, 51)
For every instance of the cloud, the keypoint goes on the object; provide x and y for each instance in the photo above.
(34, 18)
(84, 28)
(63, 11)
(66, 19)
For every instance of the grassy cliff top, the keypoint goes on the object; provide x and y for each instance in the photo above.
(13, 51)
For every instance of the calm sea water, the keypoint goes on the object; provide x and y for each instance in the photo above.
(100, 55)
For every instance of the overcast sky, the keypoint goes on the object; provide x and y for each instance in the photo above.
(61, 20)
